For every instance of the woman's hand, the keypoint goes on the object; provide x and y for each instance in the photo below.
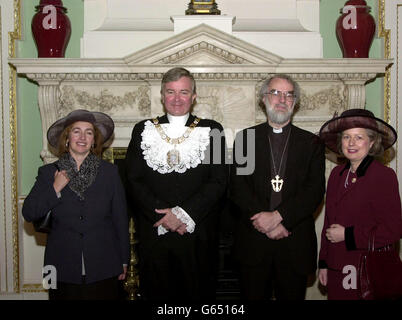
(323, 276)
(60, 180)
(335, 233)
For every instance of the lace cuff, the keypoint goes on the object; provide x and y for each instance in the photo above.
(183, 217)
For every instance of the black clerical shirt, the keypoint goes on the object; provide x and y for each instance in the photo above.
(279, 146)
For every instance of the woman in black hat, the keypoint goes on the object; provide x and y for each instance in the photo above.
(88, 244)
(361, 194)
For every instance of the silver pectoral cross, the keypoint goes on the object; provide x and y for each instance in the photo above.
(277, 183)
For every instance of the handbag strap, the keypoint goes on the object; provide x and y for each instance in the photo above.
(371, 244)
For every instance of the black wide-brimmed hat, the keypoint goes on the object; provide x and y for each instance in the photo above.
(100, 120)
(356, 118)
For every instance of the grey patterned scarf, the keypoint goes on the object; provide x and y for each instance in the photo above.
(82, 179)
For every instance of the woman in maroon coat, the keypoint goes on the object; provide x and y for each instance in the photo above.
(361, 194)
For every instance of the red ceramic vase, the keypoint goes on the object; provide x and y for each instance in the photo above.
(51, 29)
(355, 29)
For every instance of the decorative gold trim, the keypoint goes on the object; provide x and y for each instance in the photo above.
(3, 151)
(132, 282)
(115, 153)
(33, 287)
(397, 82)
(202, 7)
(12, 37)
(386, 34)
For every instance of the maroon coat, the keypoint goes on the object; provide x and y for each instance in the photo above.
(372, 200)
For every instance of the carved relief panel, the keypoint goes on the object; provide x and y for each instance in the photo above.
(117, 100)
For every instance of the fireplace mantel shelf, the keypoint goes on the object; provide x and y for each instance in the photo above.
(88, 65)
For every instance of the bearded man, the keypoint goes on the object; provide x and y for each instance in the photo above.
(275, 239)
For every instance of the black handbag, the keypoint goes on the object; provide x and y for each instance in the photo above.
(44, 224)
(380, 272)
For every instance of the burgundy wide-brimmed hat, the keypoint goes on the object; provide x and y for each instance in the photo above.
(100, 120)
(356, 118)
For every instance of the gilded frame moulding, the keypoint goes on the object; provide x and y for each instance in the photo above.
(12, 38)
(33, 287)
(16, 35)
(386, 34)
(114, 153)
(2, 139)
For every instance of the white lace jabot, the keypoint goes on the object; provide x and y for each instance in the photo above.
(191, 150)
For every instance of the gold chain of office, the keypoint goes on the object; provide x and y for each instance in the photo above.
(178, 140)
(173, 156)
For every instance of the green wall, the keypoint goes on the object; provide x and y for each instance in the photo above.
(329, 13)
(29, 123)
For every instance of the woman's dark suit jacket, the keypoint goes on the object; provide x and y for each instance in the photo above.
(96, 227)
(302, 193)
(373, 200)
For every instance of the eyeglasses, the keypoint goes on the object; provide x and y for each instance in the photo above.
(287, 95)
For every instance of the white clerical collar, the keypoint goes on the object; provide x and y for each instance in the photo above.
(281, 129)
(178, 120)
